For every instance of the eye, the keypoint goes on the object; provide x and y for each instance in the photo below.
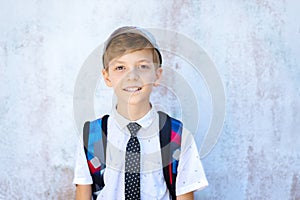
(119, 68)
(144, 67)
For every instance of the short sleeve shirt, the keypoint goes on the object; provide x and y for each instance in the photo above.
(190, 175)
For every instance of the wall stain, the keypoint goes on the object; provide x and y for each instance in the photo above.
(295, 188)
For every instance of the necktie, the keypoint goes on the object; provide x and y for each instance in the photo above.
(132, 164)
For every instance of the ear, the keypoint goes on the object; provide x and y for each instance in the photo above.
(105, 75)
(158, 76)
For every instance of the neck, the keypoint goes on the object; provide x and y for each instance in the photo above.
(133, 112)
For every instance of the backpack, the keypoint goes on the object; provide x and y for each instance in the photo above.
(95, 142)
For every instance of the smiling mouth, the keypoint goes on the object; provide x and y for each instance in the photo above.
(132, 89)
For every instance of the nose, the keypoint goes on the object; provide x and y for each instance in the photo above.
(133, 74)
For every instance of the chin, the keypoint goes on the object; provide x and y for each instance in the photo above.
(135, 101)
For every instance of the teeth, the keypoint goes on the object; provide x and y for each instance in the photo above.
(132, 89)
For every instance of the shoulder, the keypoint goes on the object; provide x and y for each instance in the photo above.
(104, 117)
(164, 116)
(97, 122)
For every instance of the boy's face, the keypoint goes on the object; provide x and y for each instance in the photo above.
(132, 77)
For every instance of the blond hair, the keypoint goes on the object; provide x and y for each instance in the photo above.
(127, 40)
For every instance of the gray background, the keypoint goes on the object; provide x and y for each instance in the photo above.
(254, 44)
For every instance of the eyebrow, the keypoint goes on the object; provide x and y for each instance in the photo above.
(144, 60)
(116, 62)
(123, 62)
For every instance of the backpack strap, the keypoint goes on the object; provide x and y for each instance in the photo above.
(95, 150)
(170, 149)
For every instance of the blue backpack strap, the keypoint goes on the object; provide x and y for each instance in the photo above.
(95, 148)
(95, 140)
(170, 142)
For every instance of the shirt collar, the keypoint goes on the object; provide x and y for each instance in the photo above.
(145, 121)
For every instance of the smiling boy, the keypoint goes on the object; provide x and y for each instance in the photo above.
(132, 67)
(132, 77)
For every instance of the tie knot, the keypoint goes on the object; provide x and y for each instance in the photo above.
(133, 128)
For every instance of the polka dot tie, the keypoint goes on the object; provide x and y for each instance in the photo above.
(132, 164)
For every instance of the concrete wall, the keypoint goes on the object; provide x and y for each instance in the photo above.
(255, 46)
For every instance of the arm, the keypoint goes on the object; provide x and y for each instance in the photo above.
(190, 176)
(187, 196)
(83, 192)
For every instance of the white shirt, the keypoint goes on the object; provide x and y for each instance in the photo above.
(190, 176)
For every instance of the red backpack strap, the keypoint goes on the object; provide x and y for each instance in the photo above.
(170, 142)
(95, 140)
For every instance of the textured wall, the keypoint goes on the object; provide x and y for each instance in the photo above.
(254, 44)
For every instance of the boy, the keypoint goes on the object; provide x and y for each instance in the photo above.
(134, 168)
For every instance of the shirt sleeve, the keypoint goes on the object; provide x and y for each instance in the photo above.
(190, 175)
(82, 174)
